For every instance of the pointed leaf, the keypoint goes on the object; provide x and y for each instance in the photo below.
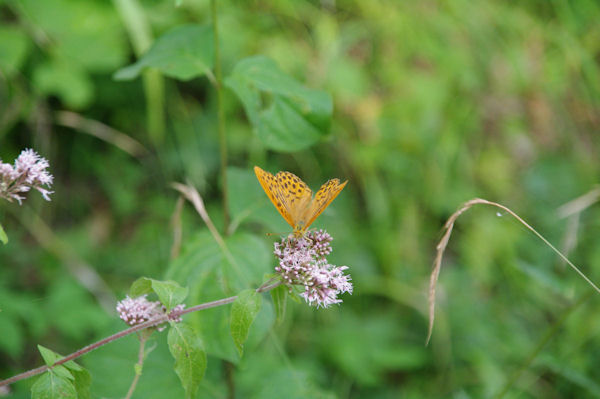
(3, 236)
(183, 53)
(50, 357)
(288, 116)
(141, 286)
(83, 379)
(190, 358)
(169, 293)
(52, 386)
(279, 295)
(243, 312)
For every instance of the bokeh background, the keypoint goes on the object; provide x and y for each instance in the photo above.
(435, 102)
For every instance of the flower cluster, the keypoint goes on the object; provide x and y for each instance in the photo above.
(302, 261)
(29, 171)
(135, 311)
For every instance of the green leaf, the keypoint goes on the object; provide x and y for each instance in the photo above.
(14, 46)
(286, 115)
(83, 379)
(184, 52)
(190, 358)
(62, 372)
(87, 34)
(141, 286)
(279, 295)
(244, 310)
(112, 369)
(51, 386)
(50, 357)
(169, 293)
(3, 236)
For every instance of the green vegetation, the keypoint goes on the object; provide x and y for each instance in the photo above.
(420, 105)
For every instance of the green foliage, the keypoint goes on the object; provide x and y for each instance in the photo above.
(169, 293)
(184, 52)
(243, 312)
(14, 46)
(279, 295)
(286, 115)
(3, 236)
(52, 386)
(421, 106)
(68, 380)
(190, 357)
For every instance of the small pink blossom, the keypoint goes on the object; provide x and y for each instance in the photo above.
(302, 261)
(29, 171)
(134, 311)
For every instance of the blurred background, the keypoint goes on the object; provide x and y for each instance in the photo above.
(434, 103)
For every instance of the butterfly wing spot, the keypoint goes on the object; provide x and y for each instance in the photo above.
(271, 187)
(323, 198)
(293, 198)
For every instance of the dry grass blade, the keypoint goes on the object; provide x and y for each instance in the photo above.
(177, 230)
(82, 271)
(441, 248)
(101, 131)
(192, 195)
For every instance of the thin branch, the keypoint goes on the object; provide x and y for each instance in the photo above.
(150, 323)
(82, 271)
(441, 247)
(101, 131)
(138, 366)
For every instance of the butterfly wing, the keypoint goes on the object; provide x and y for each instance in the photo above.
(327, 193)
(271, 186)
(296, 194)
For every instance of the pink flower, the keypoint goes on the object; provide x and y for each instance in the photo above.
(302, 262)
(134, 311)
(29, 171)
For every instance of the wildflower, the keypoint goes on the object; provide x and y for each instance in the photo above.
(134, 311)
(302, 262)
(29, 171)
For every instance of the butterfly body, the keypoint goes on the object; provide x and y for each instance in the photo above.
(294, 200)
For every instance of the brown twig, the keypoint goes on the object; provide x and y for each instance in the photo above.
(441, 247)
(150, 323)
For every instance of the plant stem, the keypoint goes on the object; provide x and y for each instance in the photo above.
(140, 34)
(150, 323)
(220, 115)
(138, 366)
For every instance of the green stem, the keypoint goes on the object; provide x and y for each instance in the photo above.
(545, 339)
(220, 115)
(140, 34)
(138, 366)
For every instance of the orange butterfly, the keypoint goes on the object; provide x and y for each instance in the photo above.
(294, 200)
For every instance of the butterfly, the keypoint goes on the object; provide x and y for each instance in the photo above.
(294, 199)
